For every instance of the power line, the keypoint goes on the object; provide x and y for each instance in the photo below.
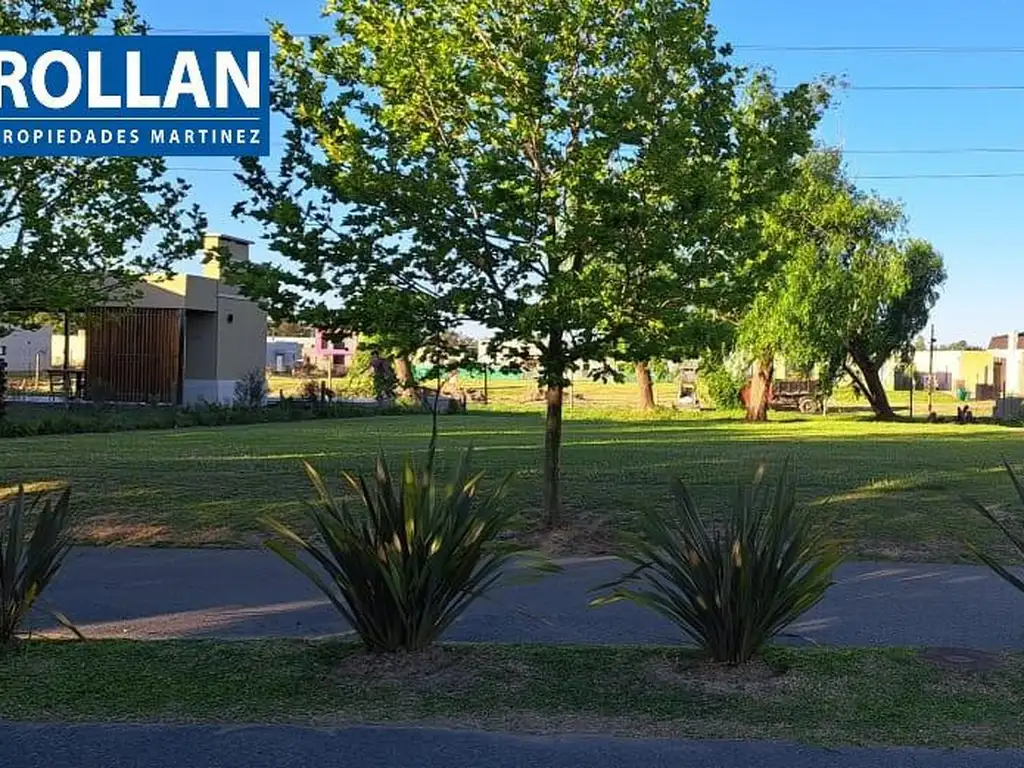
(886, 49)
(890, 49)
(865, 177)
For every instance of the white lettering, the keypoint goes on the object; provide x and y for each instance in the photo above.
(156, 136)
(11, 80)
(136, 99)
(186, 63)
(247, 86)
(98, 99)
(254, 136)
(74, 72)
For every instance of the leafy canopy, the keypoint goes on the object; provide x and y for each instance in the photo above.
(72, 230)
(565, 173)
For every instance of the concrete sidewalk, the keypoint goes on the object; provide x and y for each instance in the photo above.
(162, 593)
(155, 746)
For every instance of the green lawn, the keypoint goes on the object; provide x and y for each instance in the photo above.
(817, 696)
(893, 488)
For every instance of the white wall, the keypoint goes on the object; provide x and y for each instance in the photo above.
(24, 351)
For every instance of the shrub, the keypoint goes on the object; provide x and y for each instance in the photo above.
(251, 390)
(718, 386)
(29, 560)
(405, 566)
(730, 590)
(1013, 538)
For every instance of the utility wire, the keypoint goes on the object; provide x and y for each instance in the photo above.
(898, 49)
(865, 177)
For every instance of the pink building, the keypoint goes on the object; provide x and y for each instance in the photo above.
(330, 355)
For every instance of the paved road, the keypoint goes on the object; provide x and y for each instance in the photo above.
(58, 746)
(153, 593)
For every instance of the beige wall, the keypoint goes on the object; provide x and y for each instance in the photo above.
(242, 342)
(200, 345)
(77, 350)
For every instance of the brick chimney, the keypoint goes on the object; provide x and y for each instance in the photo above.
(217, 247)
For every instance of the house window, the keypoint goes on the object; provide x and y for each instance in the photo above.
(3, 350)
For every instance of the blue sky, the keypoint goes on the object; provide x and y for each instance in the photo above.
(977, 223)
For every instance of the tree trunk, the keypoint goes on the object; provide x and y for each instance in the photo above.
(552, 456)
(760, 390)
(643, 380)
(874, 390)
(403, 372)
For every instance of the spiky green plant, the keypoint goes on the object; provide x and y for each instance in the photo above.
(1014, 538)
(733, 588)
(406, 562)
(35, 537)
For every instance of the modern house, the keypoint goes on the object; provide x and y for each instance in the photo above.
(953, 369)
(183, 339)
(27, 351)
(327, 355)
(1007, 351)
(286, 353)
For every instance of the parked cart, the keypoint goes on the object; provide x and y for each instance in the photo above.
(796, 395)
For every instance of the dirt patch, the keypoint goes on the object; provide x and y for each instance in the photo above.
(438, 669)
(581, 539)
(755, 678)
(962, 660)
(909, 552)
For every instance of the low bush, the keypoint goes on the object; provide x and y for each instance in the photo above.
(733, 588)
(35, 537)
(718, 386)
(405, 565)
(30, 420)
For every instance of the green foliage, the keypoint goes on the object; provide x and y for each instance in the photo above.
(408, 564)
(730, 591)
(1013, 537)
(718, 385)
(35, 537)
(473, 160)
(251, 390)
(852, 292)
(358, 379)
(74, 227)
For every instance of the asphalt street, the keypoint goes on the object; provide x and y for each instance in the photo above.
(124, 746)
(163, 593)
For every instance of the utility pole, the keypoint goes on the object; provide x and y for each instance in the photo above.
(931, 369)
(913, 386)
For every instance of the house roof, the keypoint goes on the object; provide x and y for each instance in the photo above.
(1003, 341)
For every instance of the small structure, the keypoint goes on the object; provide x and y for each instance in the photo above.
(184, 339)
(285, 353)
(27, 351)
(1008, 363)
(328, 356)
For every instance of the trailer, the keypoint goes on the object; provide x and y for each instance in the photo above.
(796, 395)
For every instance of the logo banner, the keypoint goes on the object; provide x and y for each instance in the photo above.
(90, 96)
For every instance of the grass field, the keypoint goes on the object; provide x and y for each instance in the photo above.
(892, 488)
(817, 696)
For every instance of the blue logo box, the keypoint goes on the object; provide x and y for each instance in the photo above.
(92, 96)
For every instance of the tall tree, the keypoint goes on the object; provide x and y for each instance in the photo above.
(502, 155)
(72, 230)
(855, 290)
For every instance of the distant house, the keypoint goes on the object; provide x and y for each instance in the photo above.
(1008, 358)
(184, 339)
(285, 353)
(27, 351)
(330, 356)
(952, 369)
